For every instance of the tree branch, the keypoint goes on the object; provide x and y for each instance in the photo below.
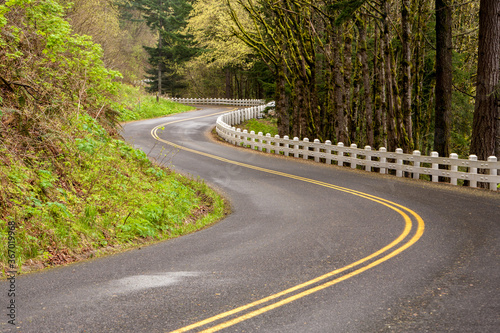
(7, 84)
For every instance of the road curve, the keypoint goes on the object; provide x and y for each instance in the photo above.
(307, 248)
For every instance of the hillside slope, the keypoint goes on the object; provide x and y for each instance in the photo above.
(70, 188)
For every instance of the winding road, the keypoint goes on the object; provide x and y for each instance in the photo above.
(307, 248)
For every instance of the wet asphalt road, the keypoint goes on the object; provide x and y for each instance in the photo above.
(337, 250)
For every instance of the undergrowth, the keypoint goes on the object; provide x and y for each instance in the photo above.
(96, 192)
(70, 188)
(265, 125)
(139, 105)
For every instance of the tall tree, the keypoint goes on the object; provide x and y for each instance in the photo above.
(391, 97)
(363, 59)
(444, 68)
(175, 46)
(341, 127)
(407, 138)
(486, 112)
(117, 27)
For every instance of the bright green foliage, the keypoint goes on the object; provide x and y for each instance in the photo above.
(98, 192)
(210, 24)
(66, 181)
(227, 67)
(40, 53)
(267, 125)
(116, 27)
(347, 9)
(139, 105)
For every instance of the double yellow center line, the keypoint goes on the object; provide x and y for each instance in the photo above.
(321, 282)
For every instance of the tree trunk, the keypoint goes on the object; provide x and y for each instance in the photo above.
(229, 83)
(348, 83)
(497, 147)
(396, 102)
(159, 54)
(330, 80)
(379, 91)
(419, 71)
(485, 131)
(442, 121)
(356, 124)
(391, 112)
(363, 59)
(281, 107)
(301, 102)
(340, 130)
(314, 106)
(159, 67)
(406, 81)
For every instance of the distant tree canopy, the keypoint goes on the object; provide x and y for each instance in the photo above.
(117, 26)
(227, 67)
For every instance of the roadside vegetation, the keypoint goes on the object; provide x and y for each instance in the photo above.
(265, 125)
(68, 183)
(136, 104)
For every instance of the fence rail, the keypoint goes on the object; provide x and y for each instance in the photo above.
(454, 170)
(218, 101)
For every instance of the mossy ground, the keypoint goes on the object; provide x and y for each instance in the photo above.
(265, 125)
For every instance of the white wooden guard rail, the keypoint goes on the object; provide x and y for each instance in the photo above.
(455, 170)
(218, 101)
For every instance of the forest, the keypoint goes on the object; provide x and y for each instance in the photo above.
(381, 73)
(395, 74)
(418, 75)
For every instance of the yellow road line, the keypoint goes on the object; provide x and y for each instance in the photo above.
(396, 207)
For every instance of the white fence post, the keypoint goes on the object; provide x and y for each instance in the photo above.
(354, 156)
(244, 140)
(454, 169)
(277, 146)
(473, 171)
(268, 143)
(252, 140)
(286, 145)
(316, 150)
(328, 153)
(416, 164)
(295, 147)
(493, 172)
(340, 154)
(399, 162)
(368, 158)
(238, 137)
(435, 166)
(305, 150)
(261, 143)
(383, 160)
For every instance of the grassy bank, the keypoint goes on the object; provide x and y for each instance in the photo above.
(88, 192)
(265, 125)
(70, 188)
(135, 105)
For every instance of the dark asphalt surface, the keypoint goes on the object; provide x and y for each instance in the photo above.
(283, 232)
